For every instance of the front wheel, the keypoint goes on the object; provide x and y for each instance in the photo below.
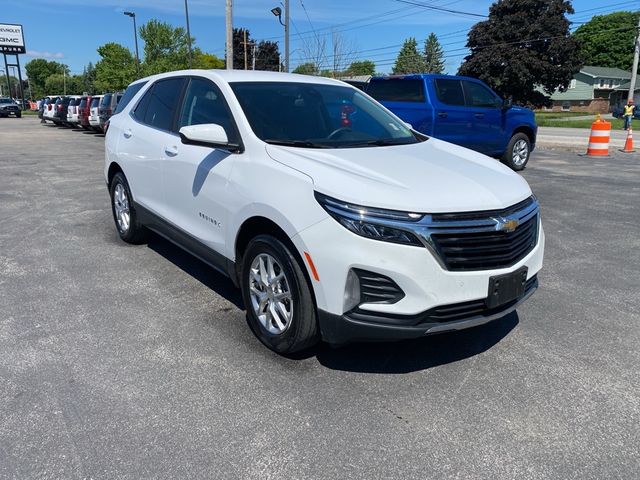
(278, 299)
(518, 151)
(18, 115)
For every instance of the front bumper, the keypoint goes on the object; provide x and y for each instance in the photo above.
(367, 326)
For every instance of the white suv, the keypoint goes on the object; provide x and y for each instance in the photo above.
(336, 220)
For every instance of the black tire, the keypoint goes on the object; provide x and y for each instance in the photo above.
(135, 233)
(302, 331)
(18, 115)
(509, 157)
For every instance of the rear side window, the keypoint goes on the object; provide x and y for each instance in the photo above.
(128, 95)
(95, 102)
(450, 91)
(397, 90)
(158, 105)
(83, 103)
(478, 95)
(106, 100)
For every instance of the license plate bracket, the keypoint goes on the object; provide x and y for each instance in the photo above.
(506, 288)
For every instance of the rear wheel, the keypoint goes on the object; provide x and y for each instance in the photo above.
(124, 215)
(518, 152)
(278, 299)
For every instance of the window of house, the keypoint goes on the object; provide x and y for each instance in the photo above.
(566, 105)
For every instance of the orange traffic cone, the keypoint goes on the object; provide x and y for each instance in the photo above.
(599, 139)
(628, 144)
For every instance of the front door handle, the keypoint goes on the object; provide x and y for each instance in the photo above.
(443, 114)
(127, 133)
(171, 151)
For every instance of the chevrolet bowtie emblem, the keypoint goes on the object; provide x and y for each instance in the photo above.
(508, 226)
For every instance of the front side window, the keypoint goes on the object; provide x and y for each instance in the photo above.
(204, 103)
(450, 91)
(479, 96)
(315, 115)
(106, 100)
(158, 105)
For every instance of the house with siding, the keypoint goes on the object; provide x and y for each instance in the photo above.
(593, 90)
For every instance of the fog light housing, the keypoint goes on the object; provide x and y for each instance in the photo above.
(351, 291)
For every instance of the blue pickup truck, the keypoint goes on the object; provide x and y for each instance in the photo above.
(460, 110)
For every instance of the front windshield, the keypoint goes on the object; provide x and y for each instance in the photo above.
(315, 115)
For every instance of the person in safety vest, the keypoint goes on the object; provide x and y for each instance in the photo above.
(629, 108)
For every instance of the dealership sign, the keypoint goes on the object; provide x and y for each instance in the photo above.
(11, 39)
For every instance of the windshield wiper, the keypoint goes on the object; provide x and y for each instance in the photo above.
(378, 143)
(297, 143)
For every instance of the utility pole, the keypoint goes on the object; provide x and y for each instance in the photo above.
(286, 36)
(64, 80)
(229, 26)
(186, 11)
(634, 69)
(253, 56)
(244, 44)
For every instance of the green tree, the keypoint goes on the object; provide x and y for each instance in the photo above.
(55, 84)
(88, 78)
(206, 60)
(267, 56)
(116, 68)
(307, 69)
(433, 55)
(409, 60)
(165, 47)
(238, 48)
(607, 40)
(523, 45)
(38, 70)
(362, 67)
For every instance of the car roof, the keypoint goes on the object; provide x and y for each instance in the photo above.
(230, 76)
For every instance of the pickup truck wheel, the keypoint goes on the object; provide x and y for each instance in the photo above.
(279, 303)
(124, 215)
(19, 114)
(518, 151)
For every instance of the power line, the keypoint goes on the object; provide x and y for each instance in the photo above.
(442, 9)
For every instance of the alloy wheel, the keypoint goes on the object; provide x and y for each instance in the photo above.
(121, 208)
(270, 294)
(520, 152)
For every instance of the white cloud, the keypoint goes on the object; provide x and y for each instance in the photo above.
(38, 54)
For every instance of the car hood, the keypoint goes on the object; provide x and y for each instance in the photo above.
(427, 177)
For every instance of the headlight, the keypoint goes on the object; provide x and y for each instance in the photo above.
(374, 223)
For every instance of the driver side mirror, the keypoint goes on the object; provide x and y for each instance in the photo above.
(507, 103)
(209, 135)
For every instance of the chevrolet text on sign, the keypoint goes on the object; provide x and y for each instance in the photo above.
(11, 38)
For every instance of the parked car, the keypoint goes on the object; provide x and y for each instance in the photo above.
(94, 116)
(73, 113)
(49, 108)
(336, 220)
(108, 105)
(9, 107)
(460, 110)
(84, 111)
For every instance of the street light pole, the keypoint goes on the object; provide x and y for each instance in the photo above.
(277, 11)
(186, 12)
(135, 35)
(286, 36)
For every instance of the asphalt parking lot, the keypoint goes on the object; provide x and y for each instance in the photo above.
(123, 361)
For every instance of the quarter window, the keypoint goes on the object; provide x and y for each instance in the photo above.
(158, 106)
(450, 91)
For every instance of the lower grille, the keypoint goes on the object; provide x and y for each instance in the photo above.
(473, 308)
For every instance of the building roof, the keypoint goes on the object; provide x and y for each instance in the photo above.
(626, 85)
(604, 72)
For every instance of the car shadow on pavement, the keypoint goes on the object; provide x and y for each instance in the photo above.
(414, 355)
(199, 270)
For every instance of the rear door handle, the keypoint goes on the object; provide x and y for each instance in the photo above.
(127, 133)
(171, 151)
(443, 114)
(479, 115)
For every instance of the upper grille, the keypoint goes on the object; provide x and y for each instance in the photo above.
(474, 241)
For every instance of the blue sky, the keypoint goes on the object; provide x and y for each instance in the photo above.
(69, 31)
